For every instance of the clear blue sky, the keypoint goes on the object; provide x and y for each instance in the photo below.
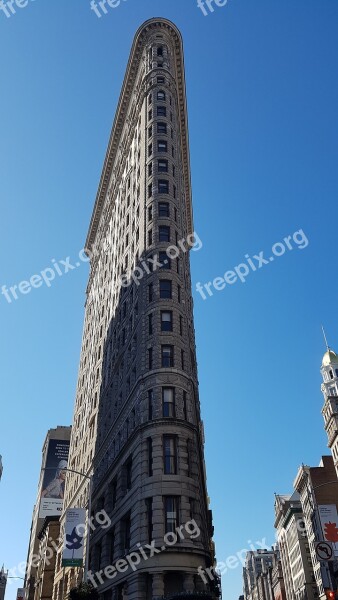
(262, 82)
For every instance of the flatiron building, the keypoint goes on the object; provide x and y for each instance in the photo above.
(137, 426)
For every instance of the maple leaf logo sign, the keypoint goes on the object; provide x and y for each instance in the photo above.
(331, 532)
(73, 540)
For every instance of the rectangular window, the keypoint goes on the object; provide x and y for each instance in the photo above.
(161, 111)
(160, 80)
(175, 214)
(179, 293)
(150, 115)
(161, 96)
(174, 172)
(189, 457)
(164, 233)
(150, 292)
(150, 237)
(126, 532)
(163, 186)
(111, 545)
(167, 356)
(165, 288)
(166, 320)
(150, 131)
(150, 190)
(113, 492)
(149, 509)
(185, 405)
(182, 359)
(159, 53)
(162, 166)
(174, 191)
(163, 209)
(150, 99)
(162, 146)
(162, 127)
(150, 404)
(168, 398)
(150, 169)
(171, 513)
(150, 212)
(181, 325)
(150, 149)
(150, 358)
(129, 474)
(150, 324)
(170, 454)
(164, 260)
(150, 456)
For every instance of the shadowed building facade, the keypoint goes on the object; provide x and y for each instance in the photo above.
(137, 423)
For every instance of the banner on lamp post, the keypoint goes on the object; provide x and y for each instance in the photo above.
(329, 522)
(75, 527)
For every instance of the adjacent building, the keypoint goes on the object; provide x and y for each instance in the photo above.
(137, 425)
(3, 582)
(49, 501)
(257, 574)
(296, 563)
(318, 489)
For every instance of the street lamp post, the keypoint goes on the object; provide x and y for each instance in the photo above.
(90, 479)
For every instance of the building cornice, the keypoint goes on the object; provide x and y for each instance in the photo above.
(123, 107)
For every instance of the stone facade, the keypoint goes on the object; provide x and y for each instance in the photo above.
(3, 583)
(317, 485)
(137, 424)
(299, 579)
(257, 574)
(48, 541)
(59, 433)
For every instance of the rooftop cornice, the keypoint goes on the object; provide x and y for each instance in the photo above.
(129, 82)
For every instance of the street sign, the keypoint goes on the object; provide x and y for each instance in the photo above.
(324, 551)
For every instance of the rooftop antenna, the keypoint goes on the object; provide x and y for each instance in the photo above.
(326, 344)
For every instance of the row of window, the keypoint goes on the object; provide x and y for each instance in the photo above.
(163, 187)
(166, 320)
(161, 111)
(166, 290)
(162, 167)
(171, 506)
(162, 146)
(168, 403)
(160, 95)
(163, 235)
(167, 357)
(161, 128)
(163, 211)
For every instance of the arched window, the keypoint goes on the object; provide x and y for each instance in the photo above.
(161, 95)
(331, 374)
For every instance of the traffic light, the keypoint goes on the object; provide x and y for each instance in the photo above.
(330, 594)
